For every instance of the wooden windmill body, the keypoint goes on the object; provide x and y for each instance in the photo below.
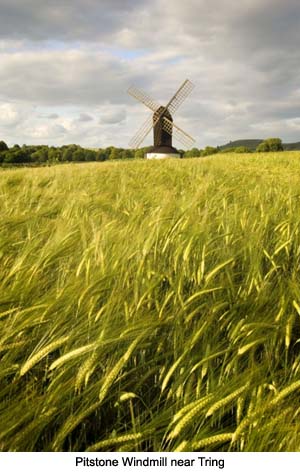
(161, 121)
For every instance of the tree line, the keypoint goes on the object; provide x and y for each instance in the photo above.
(67, 153)
(273, 144)
(43, 154)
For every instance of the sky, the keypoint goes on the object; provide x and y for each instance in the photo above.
(66, 65)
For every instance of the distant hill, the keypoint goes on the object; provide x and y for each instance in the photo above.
(292, 146)
(250, 143)
(253, 143)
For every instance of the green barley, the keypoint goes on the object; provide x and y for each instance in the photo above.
(138, 298)
(37, 357)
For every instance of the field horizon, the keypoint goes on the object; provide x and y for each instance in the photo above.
(151, 305)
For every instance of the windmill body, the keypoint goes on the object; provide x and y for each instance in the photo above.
(161, 121)
(162, 138)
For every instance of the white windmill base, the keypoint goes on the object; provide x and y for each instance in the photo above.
(160, 155)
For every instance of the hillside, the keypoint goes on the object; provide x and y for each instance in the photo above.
(253, 143)
(292, 146)
(250, 143)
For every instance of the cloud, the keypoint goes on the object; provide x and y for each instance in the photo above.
(73, 61)
(67, 21)
(112, 116)
(53, 116)
(10, 115)
(46, 131)
(84, 117)
(53, 78)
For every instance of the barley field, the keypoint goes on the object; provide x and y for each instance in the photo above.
(151, 305)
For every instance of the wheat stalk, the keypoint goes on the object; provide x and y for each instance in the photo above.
(72, 354)
(224, 401)
(212, 440)
(194, 410)
(41, 354)
(116, 441)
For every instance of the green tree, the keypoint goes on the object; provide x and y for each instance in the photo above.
(101, 155)
(126, 154)
(3, 146)
(67, 155)
(273, 144)
(113, 154)
(209, 151)
(40, 155)
(78, 155)
(194, 152)
(263, 147)
(16, 157)
(54, 155)
(108, 151)
(228, 150)
(242, 150)
(139, 154)
(89, 155)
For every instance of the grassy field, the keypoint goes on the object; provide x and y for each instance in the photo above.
(151, 305)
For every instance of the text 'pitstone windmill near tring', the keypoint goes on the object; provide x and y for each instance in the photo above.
(161, 121)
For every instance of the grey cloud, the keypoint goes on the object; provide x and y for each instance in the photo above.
(114, 116)
(66, 21)
(273, 25)
(53, 116)
(75, 77)
(84, 117)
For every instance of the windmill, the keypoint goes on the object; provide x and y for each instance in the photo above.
(161, 121)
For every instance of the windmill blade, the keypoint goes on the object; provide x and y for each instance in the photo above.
(142, 133)
(178, 98)
(185, 139)
(178, 133)
(143, 98)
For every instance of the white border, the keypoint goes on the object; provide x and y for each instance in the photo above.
(234, 464)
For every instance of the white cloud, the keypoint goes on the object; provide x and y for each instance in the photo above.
(46, 131)
(10, 115)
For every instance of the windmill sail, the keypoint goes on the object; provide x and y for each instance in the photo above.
(141, 133)
(143, 98)
(178, 133)
(185, 89)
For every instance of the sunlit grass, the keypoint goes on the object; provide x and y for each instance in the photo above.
(151, 305)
